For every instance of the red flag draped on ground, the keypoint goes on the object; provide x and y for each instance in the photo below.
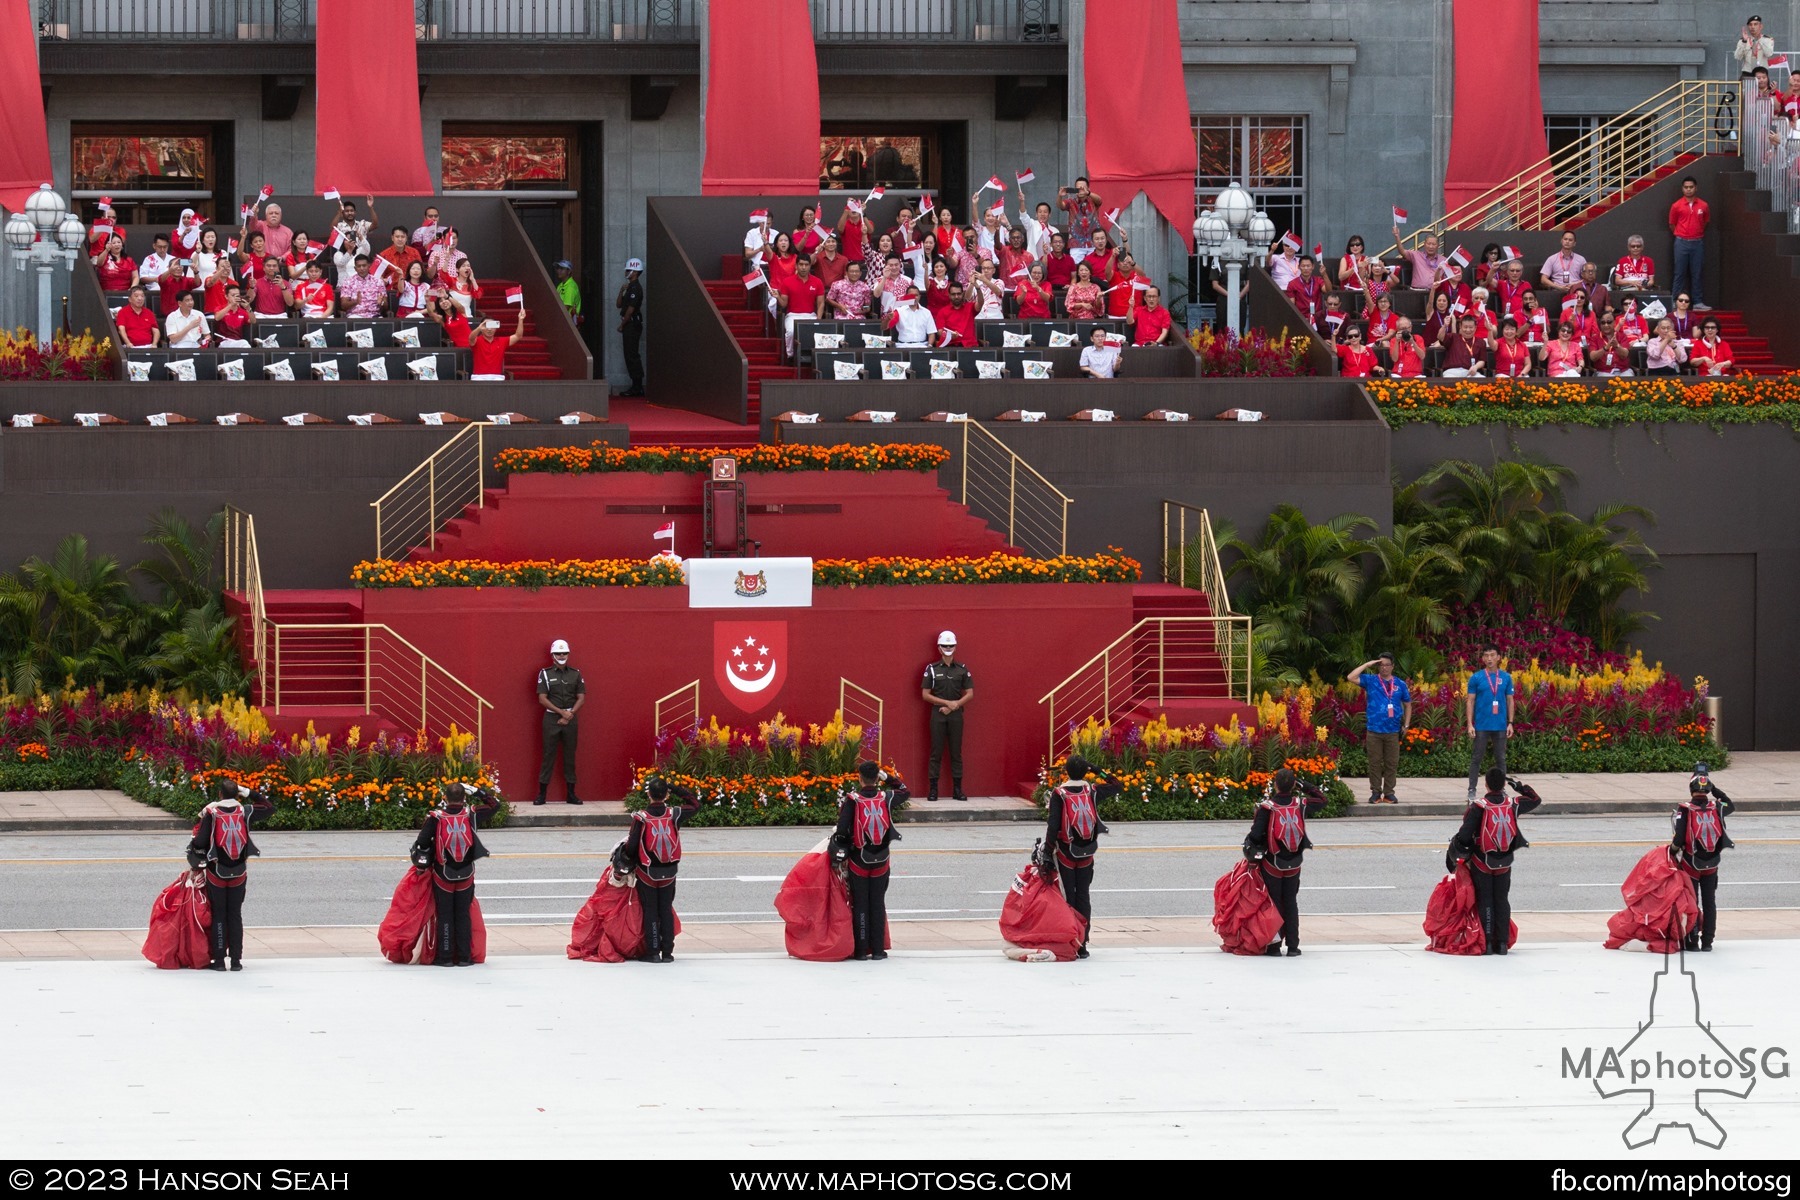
(610, 926)
(1035, 916)
(815, 904)
(1244, 917)
(1660, 906)
(24, 137)
(1139, 134)
(368, 136)
(762, 99)
(411, 922)
(180, 925)
(1492, 142)
(1451, 921)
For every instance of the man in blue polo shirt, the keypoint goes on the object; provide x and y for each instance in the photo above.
(1388, 714)
(1489, 708)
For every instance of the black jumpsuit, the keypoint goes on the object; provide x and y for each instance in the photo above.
(227, 878)
(869, 865)
(1702, 866)
(656, 876)
(1280, 867)
(1076, 869)
(1492, 872)
(454, 898)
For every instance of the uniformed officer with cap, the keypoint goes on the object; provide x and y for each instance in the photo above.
(948, 688)
(630, 303)
(561, 691)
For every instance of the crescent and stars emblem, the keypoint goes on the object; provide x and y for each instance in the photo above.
(750, 668)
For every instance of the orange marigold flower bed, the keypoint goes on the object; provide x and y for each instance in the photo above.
(682, 460)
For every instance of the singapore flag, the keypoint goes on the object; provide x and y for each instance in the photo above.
(751, 661)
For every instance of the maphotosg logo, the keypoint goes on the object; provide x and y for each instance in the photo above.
(1672, 1063)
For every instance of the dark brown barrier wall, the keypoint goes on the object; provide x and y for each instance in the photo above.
(309, 488)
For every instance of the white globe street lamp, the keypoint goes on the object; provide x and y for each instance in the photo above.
(46, 235)
(1235, 234)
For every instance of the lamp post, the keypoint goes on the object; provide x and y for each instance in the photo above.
(1235, 234)
(45, 235)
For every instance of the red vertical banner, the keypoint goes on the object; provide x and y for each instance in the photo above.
(369, 138)
(762, 99)
(24, 137)
(1140, 129)
(1497, 134)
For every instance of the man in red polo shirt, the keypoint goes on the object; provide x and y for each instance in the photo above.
(489, 352)
(138, 326)
(1155, 327)
(958, 319)
(850, 234)
(1122, 293)
(828, 264)
(399, 255)
(1307, 292)
(1687, 221)
(801, 296)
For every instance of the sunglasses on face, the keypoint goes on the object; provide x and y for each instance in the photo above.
(1682, 300)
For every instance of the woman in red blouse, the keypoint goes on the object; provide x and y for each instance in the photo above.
(298, 255)
(1512, 357)
(212, 269)
(937, 288)
(118, 272)
(1082, 301)
(1487, 270)
(1711, 354)
(1033, 295)
(806, 239)
(449, 314)
(1440, 324)
(1562, 357)
(781, 262)
(1383, 320)
(1355, 361)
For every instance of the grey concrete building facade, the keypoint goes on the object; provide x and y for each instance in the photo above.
(1360, 89)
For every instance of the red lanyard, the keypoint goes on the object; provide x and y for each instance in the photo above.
(1387, 685)
(1493, 678)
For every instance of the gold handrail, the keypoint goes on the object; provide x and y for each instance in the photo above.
(410, 518)
(1605, 162)
(1211, 577)
(1157, 660)
(683, 719)
(872, 703)
(352, 665)
(1036, 518)
(243, 574)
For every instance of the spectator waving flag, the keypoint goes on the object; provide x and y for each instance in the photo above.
(515, 295)
(1026, 176)
(755, 279)
(1399, 215)
(1288, 239)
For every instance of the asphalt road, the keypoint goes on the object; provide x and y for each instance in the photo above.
(107, 881)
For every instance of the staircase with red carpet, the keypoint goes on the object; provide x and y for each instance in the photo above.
(1190, 686)
(530, 359)
(757, 334)
(1617, 198)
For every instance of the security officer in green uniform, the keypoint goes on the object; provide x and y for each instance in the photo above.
(630, 303)
(561, 691)
(948, 688)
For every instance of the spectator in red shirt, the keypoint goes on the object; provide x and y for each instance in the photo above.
(1441, 322)
(807, 239)
(212, 269)
(1711, 354)
(1383, 321)
(1082, 301)
(1489, 266)
(1406, 352)
(780, 260)
(1355, 360)
(1464, 353)
(828, 264)
(1636, 272)
(278, 239)
(450, 316)
(801, 297)
(1307, 292)
(1353, 268)
(488, 352)
(272, 299)
(299, 256)
(1154, 327)
(1562, 357)
(1612, 357)
(937, 289)
(1059, 266)
(1687, 221)
(958, 320)
(1512, 357)
(234, 320)
(138, 325)
(1013, 255)
(249, 266)
(850, 234)
(117, 270)
(1632, 327)
(313, 296)
(1103, 257)
(399, 256)
(1032, 295)
(1122, 302)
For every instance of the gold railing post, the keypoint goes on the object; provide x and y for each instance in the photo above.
(1106, 682)
(1012, 493)
(424, 702)
(368, 669)
(431, 504)
(1162, 661)
(276, 666)
(965, 463)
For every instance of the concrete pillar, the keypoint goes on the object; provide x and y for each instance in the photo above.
(1074, 23)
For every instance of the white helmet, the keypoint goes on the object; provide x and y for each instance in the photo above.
(559, 647)
(946, 638)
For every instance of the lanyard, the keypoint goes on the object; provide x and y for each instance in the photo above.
(1493, 678)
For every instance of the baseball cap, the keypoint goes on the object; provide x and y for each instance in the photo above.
(946, 638)
(559, 647)
(634, 264)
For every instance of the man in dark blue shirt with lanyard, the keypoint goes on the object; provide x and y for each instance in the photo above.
(1388, 713)
(1490, 714)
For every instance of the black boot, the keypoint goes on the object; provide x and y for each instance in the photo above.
(932, 794)
(217, 964)
(956, 790)
(1273, 950)
(1293, 952)
(1691, 941)
(573, 798)
(237, 964)
(540, 797)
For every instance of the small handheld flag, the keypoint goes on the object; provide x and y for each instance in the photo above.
(925, 206)
(1510, 254)
(755, 279)
(267, 193)
(993, 182)
(246, 212)
(1289, 240)
(875, 193)
(333, 194)
(666, 533)
(1399, 215)
(1026, 176)
(515, 295)
(1112, 218)
(105, 203)
(759, 216)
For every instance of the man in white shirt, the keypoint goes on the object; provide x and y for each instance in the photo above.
(426, 235)
(1562, 271)
(913, 322)
(158, 263)
(754, 243)
(1099, 361)
(355, 239)
(1037, 228)
(186, 329)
